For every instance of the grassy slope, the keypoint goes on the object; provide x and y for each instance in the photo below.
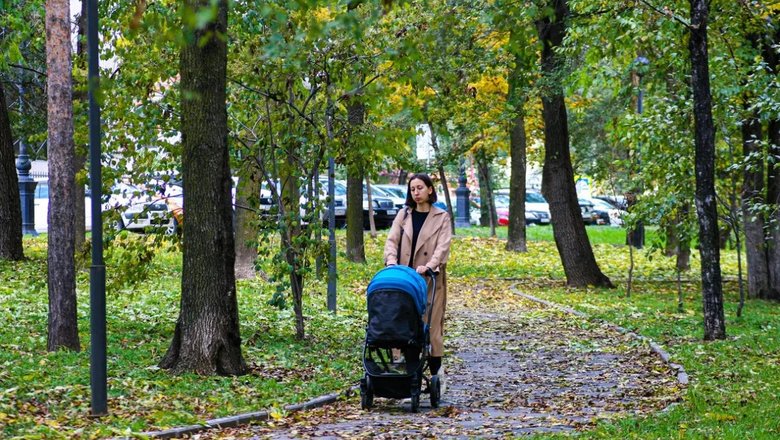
(732, 395)
(735, 383)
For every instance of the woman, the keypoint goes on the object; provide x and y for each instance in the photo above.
(420, 238)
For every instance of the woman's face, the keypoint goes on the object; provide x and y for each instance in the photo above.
(419, 191)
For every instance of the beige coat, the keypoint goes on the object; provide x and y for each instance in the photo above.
(432, 250)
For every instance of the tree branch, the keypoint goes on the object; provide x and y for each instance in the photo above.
(668, 13)
(29, 69)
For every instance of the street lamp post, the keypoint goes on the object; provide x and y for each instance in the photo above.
(636, 237)
(462, 199)
(97, 272)
(26, 183)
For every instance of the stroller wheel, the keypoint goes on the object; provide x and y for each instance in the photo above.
(435, 391)
(366, 393)
(416, 402)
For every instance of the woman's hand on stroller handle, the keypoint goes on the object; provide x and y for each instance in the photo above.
(425, 270)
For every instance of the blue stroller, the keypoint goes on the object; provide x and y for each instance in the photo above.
(396, 299)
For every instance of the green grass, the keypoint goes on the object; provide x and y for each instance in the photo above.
(733, 393)
(597, 234)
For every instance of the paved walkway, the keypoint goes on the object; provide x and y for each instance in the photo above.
(515, 368)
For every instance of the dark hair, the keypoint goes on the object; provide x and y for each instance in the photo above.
(432, 198)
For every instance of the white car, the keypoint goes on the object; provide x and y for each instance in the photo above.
(613, 214)
(397, 193)
(41, 202)
(157, 205)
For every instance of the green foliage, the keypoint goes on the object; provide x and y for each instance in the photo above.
(285, 370)
(128, 259)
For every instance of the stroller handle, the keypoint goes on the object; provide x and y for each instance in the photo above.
(433, 276)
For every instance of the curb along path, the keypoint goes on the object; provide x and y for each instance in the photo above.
(515, 365)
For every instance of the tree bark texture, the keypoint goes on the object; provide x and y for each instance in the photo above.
(63, 322)
(246, 227)
(291, 200)
(516, 238)
(355, 245)
(484, 207)
(683, 243)
(207, 338)
(486, 192)
(442, 175)
(558, 188)
(772, 60)
(773, 197)
(706, 202)
(11, 247)
(752, 195)
(80, 158)
(355, 173)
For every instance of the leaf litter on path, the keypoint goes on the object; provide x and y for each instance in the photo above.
(513, 367)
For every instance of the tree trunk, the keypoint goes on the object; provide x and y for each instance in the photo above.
(207, 339)
(486, 192)
(63, 321)
(442, 175)
(706, 202)
(773, 178)
(683, 241)
(247, 189)
(683, 251)
(484, 206)
(402, 177)
(516, 239)
(516, 233)
(355, 247)
(773, 196)
(671, 232)
(752, 195)
(558, 188)
(80, 158)
(291, 201)
(10, 205)
(371, 222)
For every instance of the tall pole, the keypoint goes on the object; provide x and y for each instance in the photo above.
(462, 199)
(332, 235)
(332, 208)
(637, 235)
(26, 183)
(97, 272)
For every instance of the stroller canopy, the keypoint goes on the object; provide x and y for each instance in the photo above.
(402, 278)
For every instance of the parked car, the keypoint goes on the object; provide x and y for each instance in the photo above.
(617, 201)
(156, 205)
(398, 191)
(384, 207)
(382, 191)
(41, 207)
(589, 216)
(608, 214)
(537, 211)
(339, 201)
(268, 204)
